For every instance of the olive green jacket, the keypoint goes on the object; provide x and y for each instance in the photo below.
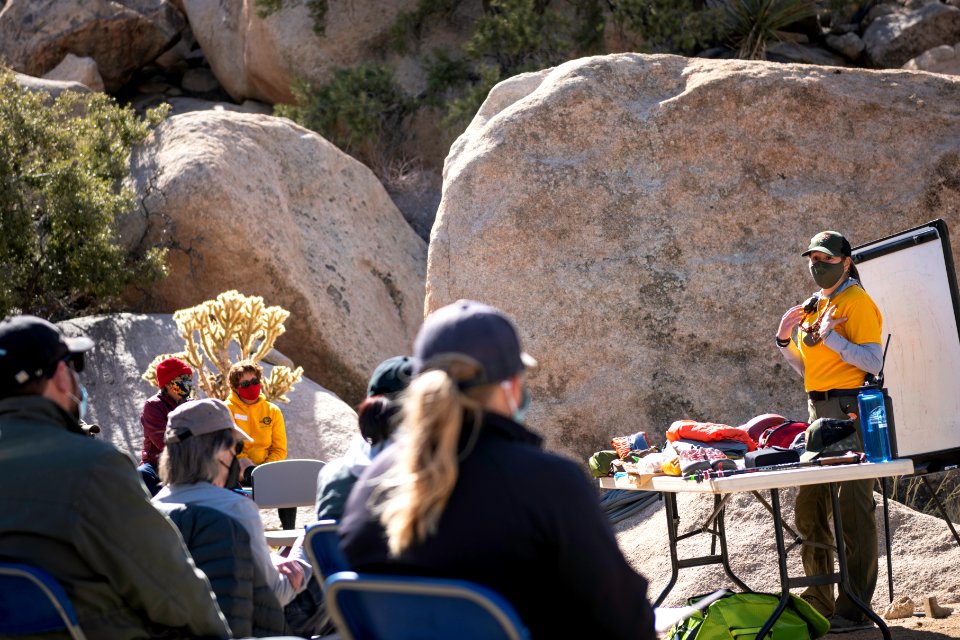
(75, 507)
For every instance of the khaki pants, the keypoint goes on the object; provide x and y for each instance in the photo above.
(813, 511)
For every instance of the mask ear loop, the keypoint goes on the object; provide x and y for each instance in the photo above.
(505, 385)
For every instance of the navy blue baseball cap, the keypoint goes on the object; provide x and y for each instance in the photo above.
(478, 331)
(30, 348)
(391, 377)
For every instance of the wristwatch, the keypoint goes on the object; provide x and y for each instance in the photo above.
(783, 343)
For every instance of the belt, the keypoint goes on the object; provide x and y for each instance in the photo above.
(820, 396)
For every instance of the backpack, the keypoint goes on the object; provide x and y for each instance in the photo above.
(740, 616)
(781, 435)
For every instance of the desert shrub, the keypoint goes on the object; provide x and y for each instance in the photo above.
(669, 26)
(749, 25)
(361, 110)
(61, 174)
(409, 25)
(317, 9)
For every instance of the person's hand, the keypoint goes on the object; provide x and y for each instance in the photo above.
(791, 318)
(829, 322)
(294, 572)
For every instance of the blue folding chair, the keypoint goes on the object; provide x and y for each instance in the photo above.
(323, 549)
(379, 607)
(32, 601)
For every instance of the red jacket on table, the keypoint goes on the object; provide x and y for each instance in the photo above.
(153, 419)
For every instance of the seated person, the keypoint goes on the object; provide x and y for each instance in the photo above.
(174, 377)
(200, 458)
(467, 492)
(74, 506)
(376, 419)
(263, 421)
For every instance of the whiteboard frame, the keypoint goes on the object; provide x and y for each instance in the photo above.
(914, 428)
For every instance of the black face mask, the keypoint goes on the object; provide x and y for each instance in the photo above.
(233, 474)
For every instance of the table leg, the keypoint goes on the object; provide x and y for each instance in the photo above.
(670, 506)
(781, 563)
(842, 563)
(722, 534)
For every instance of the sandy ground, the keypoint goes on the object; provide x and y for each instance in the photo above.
(926, 558)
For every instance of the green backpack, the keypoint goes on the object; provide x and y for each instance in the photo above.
(740, 616)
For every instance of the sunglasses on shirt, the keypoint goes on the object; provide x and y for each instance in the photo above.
(249, 383)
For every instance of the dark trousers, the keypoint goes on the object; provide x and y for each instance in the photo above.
(150, 478)
(857, 507)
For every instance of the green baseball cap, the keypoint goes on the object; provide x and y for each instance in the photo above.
(831, 243)
(828, 434)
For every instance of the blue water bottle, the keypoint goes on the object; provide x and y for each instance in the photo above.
(873, 423)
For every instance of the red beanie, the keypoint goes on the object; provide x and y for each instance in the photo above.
(171, 368)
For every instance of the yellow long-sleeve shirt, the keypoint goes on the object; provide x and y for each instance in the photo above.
(263, 422)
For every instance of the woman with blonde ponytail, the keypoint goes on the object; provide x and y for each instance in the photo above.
(467, 491)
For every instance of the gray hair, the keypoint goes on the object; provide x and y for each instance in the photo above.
(194, 459)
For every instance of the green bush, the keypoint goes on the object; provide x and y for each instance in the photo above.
(61, 174)
(360, 110)
(669, 26)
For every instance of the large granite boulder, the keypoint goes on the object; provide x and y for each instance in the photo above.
(891, 40)
(319, 425)
(257, 58)
(76, 69)
(942, 59)
(642, 218)
(261, 205)
(120, 35)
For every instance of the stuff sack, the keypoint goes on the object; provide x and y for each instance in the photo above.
(599, 463)
(740, 616)
(781, 435)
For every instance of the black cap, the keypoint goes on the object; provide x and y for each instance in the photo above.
(391, 377)
(30, 347)
(478, 331)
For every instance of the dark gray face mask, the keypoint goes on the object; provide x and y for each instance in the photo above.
(826, 274)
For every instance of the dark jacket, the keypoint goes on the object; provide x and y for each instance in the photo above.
(153, 419)
(523, 522)
(220, 546)
(74, 506)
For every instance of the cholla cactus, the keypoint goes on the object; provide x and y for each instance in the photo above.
(207, 331)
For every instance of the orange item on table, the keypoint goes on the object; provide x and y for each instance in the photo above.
(708, 432)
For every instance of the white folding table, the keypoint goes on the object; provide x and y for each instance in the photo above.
(772, 481)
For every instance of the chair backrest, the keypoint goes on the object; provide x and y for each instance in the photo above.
(323, 549)
(410, 608)
(32, 601)
(285, 483)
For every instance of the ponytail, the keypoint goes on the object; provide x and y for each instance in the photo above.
(425, 471)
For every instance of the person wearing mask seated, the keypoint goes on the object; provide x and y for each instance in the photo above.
(263, 421)
(467, 492)
(376, 418)
(175, 379)
(74, 506)
(199, 460)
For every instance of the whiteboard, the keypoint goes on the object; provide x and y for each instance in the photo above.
(910, 276)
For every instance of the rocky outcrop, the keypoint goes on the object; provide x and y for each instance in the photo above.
(319, 425)
(261, 205)
(52, 87)
(76, 69)
(942, 59)
(257, 58)
(121, 35)
(642, 218)
(893, 39)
